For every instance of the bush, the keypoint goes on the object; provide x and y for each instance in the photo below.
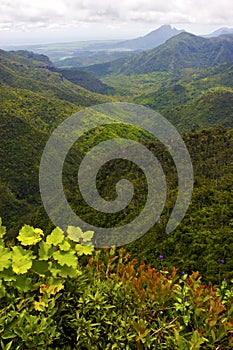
(52, 298)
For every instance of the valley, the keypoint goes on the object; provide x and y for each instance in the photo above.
(189, 80)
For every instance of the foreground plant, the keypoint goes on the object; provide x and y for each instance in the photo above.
(53, 298)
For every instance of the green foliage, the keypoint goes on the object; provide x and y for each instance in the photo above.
(29, 235)
(21, 260)
(52, 259)
(116, 303)
(204, 237)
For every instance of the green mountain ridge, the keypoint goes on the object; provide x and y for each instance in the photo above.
(182, 51)
(211, 108)
(195, 99)
(18, 71)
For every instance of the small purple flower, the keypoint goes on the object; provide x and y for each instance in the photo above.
(222, 261)
(224, 280)
(184, 273)
(186, 300)
(161, 257)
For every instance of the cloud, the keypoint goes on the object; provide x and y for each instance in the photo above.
(19, 11)
(29, 15)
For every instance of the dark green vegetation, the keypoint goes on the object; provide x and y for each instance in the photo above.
(51, 296)
(195, 98)
(34, 99)
(191, 99)
(86, 80)
(197, 243)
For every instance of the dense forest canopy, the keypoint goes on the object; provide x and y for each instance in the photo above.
(188, 79)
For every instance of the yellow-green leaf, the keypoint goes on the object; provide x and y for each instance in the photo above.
(66, 258)
(5, 258)
(84, 249)
(29, 235)
(56, 237)
(21, 260)
(45, 251)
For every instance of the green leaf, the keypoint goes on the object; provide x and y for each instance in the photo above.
(40, 267)
(45, 251)
(5, 258)
(8, 345)
(39, 305)
(8, 275)
(63, 271)
(197, 340)
(69, 271)
(84, 249)
(23, 284)
(77, 235)
(21, 260)
(2, 229)
(2, 290)
(29, 235)
(53, 286)
(64, 245)
(56, 237)
(66, 258)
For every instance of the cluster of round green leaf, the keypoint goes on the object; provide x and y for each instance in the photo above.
(39, 262)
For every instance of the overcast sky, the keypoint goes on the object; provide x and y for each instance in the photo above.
(38, 21)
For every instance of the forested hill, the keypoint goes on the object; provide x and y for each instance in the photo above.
(182, 51)
(36, 73)
(35, 98)
(195, 98)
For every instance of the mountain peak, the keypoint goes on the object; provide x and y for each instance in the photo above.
(166, 27)
(151, 40)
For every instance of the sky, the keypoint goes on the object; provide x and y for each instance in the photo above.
(44, 21)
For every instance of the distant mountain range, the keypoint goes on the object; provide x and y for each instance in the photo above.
(79, 54)
(184, 50)
(97, 53)
(220, 31)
